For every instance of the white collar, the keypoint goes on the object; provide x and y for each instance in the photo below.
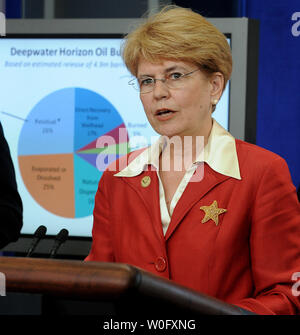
(219, 153)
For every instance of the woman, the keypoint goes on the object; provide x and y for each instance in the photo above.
(225, 220)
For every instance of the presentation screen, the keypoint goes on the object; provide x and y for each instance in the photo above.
(59, 97)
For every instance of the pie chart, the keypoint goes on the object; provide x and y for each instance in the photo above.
(68, 139)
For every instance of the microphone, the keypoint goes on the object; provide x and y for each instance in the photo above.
(38, 235)
(61, 237)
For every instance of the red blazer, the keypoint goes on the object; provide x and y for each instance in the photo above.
(248, 259)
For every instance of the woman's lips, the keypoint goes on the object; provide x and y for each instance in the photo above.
(164, 114)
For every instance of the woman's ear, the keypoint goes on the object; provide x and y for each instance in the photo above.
(217, 85)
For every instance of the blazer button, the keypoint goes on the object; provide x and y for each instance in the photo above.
(160, 264)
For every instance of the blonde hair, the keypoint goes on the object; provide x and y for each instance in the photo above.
(180, 34)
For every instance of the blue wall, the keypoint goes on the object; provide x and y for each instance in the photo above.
(13, 9)
(278, 118)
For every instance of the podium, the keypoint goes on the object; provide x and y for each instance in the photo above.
(54, 287)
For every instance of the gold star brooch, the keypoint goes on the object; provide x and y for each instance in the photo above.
(212, 212)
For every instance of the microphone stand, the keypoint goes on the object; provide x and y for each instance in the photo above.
(38, 235)
(61, 237)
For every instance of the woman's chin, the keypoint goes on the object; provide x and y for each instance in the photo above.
(167, 131)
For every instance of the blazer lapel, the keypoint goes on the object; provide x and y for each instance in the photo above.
(149, 193)
(194, 191)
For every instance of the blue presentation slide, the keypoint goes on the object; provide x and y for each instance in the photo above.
(58, 97)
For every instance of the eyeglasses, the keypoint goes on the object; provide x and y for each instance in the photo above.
(172, 80)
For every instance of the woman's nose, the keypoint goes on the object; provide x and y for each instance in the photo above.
(160, 89)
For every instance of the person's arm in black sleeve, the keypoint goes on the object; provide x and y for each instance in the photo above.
(11, 208)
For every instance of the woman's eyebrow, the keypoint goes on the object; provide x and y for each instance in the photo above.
(172, 68)
(167, 70)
